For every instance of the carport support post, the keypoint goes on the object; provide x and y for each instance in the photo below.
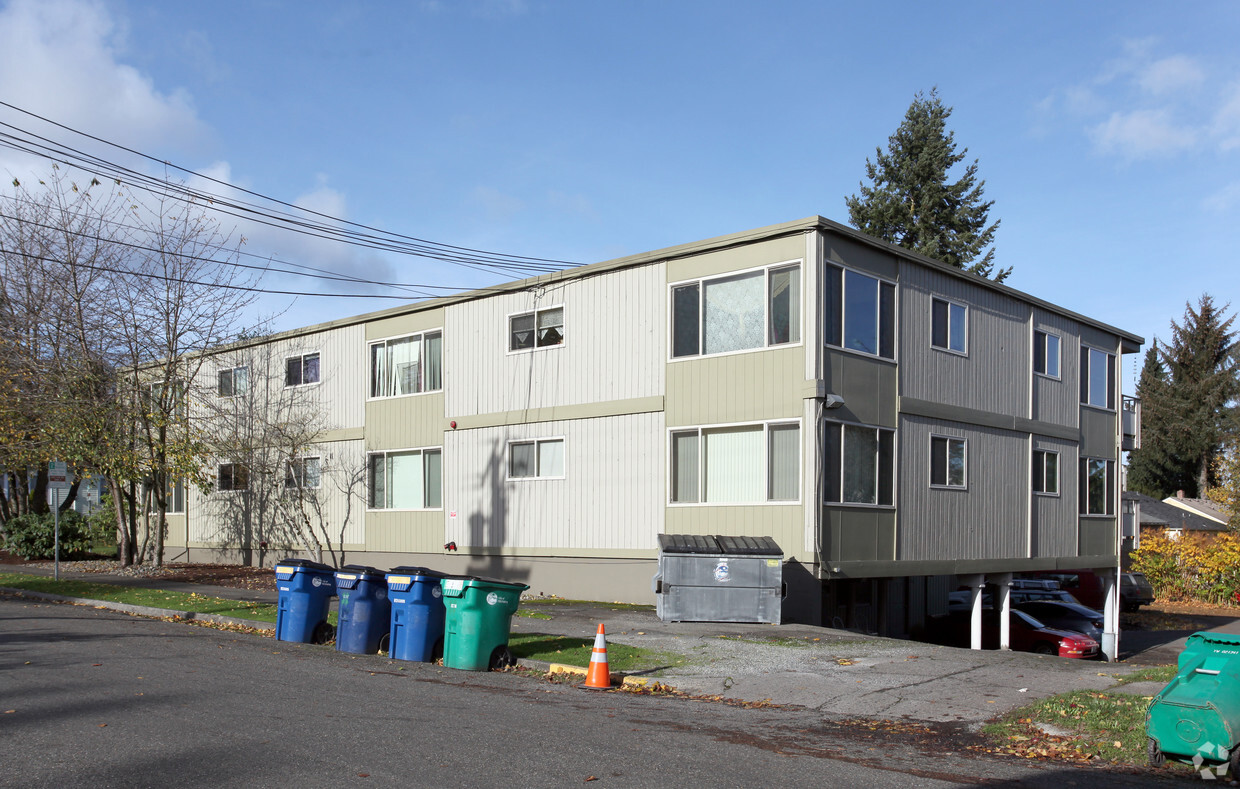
(975, 583)
(1110, 613)
(1004, 582)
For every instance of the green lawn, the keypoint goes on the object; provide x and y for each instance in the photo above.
(576, 652)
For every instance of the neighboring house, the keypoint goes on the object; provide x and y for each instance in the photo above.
(1175, 516)
(895, 424)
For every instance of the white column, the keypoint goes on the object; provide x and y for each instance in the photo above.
(975, 584)
(1004, 582)
(1110, 613)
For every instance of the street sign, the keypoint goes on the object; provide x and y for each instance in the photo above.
(58, 475)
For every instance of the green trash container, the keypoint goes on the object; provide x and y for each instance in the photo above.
(478, 616)
(1196, 718)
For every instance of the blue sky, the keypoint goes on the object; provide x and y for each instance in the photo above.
(1108, 134)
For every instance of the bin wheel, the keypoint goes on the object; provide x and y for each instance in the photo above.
(502, 658)
(323, 633)
(1233, 763)
(1155, 754)
(385, 642)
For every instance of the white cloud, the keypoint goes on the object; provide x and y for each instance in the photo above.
(1141, 134)
(1171, 75)
(1226, 125)
(1224, 200)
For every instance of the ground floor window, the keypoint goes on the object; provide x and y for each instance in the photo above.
(410, 479)
(859, 466)
(736, 464)
(947, 462)
(232, 476)
(543, 457)
(1097, 486)
(1045, 472)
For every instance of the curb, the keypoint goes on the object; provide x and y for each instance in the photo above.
(624, 681)
(140, 610)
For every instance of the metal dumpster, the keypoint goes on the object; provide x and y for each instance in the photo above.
(1196, 718)
(719, 579)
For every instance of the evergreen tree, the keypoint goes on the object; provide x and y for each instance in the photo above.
(912, 204)
(1155, 469)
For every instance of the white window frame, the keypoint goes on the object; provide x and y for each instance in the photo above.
(1046, 339)
(964, 330)
(405, 451)
(421, 340)
(1045, 453)
(232, 378)
(1112, 363)
(536, 443)
(1108, 488)
(894, 470)
(298, 464)
(301, 357)
(701, 430)
(219, 476)
(766, 310)
(947, 483)
(879, 282)
(535, 313)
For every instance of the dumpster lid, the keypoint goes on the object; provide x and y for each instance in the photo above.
(749, 546)
(688, 543)
(360, 569)
(426, 571)
(304, 564)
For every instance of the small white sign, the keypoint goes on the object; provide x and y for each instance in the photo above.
(58, 475)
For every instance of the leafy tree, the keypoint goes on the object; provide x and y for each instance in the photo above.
(1226, 493)
(912, 203)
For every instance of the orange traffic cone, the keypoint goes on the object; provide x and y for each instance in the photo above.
(598, 677)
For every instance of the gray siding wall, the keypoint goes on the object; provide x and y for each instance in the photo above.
(989, 519)
(1054, 517)
(1058, 400)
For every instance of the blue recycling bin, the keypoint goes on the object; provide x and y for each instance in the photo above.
(365, 611)
(417, 614)
(306, 589)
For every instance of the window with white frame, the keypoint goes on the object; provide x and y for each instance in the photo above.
(948, 325)
(409, 479)
(536, 329)
(153, 398)
(233, 382)
(947, 462)
(406, 365)
(738, 312)
(1097, 378)
(1097, 487)
(1046, 354)
(301, 370)
(535, 458)
(859, 464)
(303, 473)
(736, 464)
(859, 312)
(1045, 472)
(232, 476)
(176, 496)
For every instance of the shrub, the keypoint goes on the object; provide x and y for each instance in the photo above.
(1192, 567)
(33, 536)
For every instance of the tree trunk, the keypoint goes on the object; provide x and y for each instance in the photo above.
(71, 496)
(38, 496)
(125, 544)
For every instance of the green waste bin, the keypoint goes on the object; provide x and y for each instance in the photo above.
(478, 616)
(1196, 718)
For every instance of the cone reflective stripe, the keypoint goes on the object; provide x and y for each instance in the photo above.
(599, 676)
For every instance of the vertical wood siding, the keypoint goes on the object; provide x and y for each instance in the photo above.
(1055, 517)
(1058, 401)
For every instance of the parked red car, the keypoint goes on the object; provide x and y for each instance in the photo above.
(1027, 634)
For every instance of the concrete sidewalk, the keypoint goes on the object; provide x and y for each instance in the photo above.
(838, 672)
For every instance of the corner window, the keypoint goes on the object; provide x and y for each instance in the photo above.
(405, 480)
(537, 329)
(859, 312)
(232, 476)
(1097, 487)
(859, 465)
(1046, 354)
(406, 365)
(1097, 378)
(539, 458)
(1045, 472)
(738, 464)
(302, 473)
(740, 312)
(233, 382)
(301, 370)
(947, 462)
(948, 325)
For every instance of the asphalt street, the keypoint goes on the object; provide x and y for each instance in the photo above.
(95, 698)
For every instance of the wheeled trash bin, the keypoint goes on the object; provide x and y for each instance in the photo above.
(417, 614)
(1196, 718)
(478, 617)
(305, 589)
(365, 612)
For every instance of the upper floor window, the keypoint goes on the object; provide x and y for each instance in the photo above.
(1046, 353)
(1097, 378)
(537, 329)
(405, 480)
(859, 312)
(859, 465)
(303, 473)
(948, 325)
(299, 370)
(233, 382)
(947, 462)
(542, 457)
(738, 464)
(1097, 487)
(232, 476)
(153, 398)
(738, 312)
(406, 365)
(1045, 472)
